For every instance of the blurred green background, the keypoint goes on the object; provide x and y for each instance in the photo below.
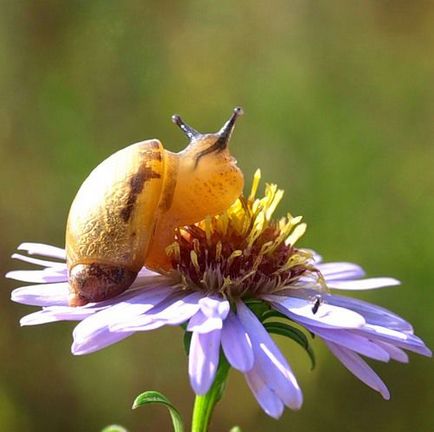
(339, 101)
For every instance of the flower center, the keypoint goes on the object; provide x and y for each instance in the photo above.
(242, 252)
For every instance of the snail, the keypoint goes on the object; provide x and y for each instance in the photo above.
(126, 211)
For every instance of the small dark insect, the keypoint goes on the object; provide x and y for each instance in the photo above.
(317, 304)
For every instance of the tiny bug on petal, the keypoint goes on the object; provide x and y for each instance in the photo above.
(318, 300)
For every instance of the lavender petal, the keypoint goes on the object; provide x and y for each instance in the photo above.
(185, 305)
(200, 323)
(43, 263)
(135, 304)
(359, 368)
(353, 342)
(395, 353)
(203, 360)
(213, 311)
(58, 313)
(373, 314)
(144, 272)
(269, 361)
(301, 310)
(94, 332)
(399, 339)
(214, 307)
(174, 310)
(43, 250)
(236, 344)
(266, 398)
(38, 276)
(42, 295)
(336, 271)
(100, 339)
(364, 284)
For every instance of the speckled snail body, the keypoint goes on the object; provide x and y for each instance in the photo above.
(125, 213)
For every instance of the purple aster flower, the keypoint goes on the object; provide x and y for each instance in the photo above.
(236, 278)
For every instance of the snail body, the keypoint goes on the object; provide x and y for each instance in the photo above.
(126, 212)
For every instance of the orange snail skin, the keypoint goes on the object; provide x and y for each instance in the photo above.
(125, 213)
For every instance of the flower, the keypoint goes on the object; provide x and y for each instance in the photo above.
(236, 278)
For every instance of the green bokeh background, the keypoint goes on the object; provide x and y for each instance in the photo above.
(339, 101)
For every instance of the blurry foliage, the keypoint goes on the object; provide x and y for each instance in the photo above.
(339, 111)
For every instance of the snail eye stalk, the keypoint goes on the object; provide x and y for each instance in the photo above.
(223, 136)
(191, 133)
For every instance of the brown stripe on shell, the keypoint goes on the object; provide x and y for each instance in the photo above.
(137, 182)
(169, 185)
(155, 155)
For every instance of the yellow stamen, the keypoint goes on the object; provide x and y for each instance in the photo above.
(193, 258)
(208, 230)
(255, 184)
(247, 239)
(298, 232)
(218, 250)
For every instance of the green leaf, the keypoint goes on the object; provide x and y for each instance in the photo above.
(187, 341)
(293, 333)
(272, 313)
(150, 397)
(114, 428)
(258, 307)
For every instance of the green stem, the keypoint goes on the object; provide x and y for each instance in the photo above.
(204, 404)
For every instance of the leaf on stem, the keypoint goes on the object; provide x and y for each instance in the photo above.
(114, 428)
(152, 396)
(292, 333)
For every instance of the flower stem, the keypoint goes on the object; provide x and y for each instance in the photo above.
(204, 404)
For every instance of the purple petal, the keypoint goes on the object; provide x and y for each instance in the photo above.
(373, 314)
(203, 360)
(340, 271)
(236, 344)
(175, 310)
(359, 368)
(144, 272)
(43, 250)
(143, 323)
(269, 361)
(186, 305)
(136, 303)
(200, 323)
(364, 284)
(58, 313)
(327, 315)
(407, 341)
(214, 307)
(353, 342)
(94, 333)
(394, 352)
(42, 295)
(212, 311)
(43, 263)
(36, 318)
(266, 398)
(38, 276)
(102, 339)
